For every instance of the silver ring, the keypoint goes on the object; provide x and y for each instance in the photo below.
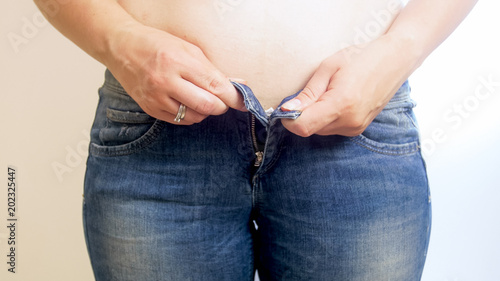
(181, 113)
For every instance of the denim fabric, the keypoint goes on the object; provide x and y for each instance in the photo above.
(170, 202)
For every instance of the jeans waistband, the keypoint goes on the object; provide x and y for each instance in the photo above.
(254, 106)
(111, 83)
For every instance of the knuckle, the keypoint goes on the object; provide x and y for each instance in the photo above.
(193, 49)
(151, 79)
(308, 93)
(354, 133)
(206, 107)
(153, 82)
(165, 60)
(302, 130)
(356, 125)
(162, 54)
(215, 84)
(325, 65)
(164, 57)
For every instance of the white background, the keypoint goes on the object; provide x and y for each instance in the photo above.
(48, 97)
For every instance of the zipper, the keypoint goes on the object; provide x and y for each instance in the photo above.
(259, 155)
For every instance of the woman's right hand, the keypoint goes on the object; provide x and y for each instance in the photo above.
(160, 71)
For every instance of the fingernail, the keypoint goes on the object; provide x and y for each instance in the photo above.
(290, 105)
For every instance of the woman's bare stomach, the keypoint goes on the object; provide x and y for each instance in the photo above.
(274, 45)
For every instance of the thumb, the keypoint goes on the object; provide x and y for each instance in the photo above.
(313, 90)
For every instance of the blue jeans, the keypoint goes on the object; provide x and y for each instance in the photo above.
(238, 193)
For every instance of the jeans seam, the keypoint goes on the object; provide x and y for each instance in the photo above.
(405, 149)
(273, 160)
(129, 148)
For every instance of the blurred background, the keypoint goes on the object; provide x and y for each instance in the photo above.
(49, 93)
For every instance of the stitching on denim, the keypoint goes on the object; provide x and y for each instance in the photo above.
(109, 85)
(411, 119)
(405, 102)
(274, 159)
(396, 150)
(112, 84)
(276, 155)
(90, 249)
(129, 148)
(387, 148)
(129, 117)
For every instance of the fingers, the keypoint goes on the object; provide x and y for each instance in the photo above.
(315, 88)
(198, 99)
(169, 110)
(192, 90)
(161, 71)
(331, 115)
(199, 103)
(333, 102)
(222, 88)
(191, 117)
(342, 110)
(204, 75)
(314, 118)
(312, 103)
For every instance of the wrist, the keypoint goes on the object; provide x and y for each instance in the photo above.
(114, 42)
(407, 48)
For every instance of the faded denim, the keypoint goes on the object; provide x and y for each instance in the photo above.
(170, 202)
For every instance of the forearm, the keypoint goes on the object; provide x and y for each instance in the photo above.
(90, 24)
(424, 24)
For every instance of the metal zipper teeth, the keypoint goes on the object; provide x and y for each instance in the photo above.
(259, 155)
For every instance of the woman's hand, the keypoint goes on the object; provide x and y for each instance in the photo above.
(161, 71)
(350, 88)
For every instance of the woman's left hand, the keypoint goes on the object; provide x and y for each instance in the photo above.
(350, 88)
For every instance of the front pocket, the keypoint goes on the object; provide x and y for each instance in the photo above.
(392, 132)
(125, 132)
